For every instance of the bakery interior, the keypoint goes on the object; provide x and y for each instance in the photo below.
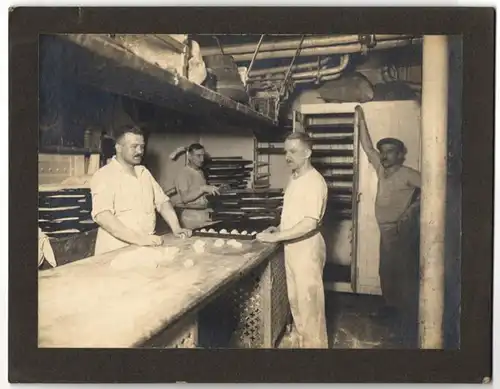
(239, 96)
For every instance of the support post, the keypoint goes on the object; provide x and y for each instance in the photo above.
(433, 199)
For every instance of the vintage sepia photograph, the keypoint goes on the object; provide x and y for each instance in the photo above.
(250, 191)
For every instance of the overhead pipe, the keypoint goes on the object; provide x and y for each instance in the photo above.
(283, 69)
(255, 54)
(344, 62)
(433, 197)
(321, 79)
(259, 84)
(289, 70)
(315, 51)
(312, 41)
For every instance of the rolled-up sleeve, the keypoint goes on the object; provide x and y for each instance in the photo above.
(102, 195)
(312, 204)
(160, 197)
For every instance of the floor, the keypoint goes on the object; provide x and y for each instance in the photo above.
(353, 323)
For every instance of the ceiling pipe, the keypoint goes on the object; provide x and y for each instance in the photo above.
(263, 84)
(283, 69)
(321, 79)
(315, 51)
(311, 41)
(344, 62)
(289, 70)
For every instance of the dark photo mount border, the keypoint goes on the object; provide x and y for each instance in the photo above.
(472, 363)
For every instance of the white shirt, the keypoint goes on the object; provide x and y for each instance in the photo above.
(305, 196)
(133, 200)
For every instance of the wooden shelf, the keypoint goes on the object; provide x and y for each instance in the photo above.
(99, 61)
(66, 150)
(316, 153)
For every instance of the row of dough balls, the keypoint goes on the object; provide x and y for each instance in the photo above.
(233, 243)
(224, 231)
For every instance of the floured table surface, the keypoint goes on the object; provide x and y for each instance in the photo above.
(122, 298)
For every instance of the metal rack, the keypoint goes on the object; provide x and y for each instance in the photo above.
(334, 130)
(334, 156)
(262, 166)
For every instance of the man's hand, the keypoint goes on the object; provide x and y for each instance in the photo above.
(210, 189)
(267, 237)
(360, 112)
(183, 233)
(150, 240)
(271, 230)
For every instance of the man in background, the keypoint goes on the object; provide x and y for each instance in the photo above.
(397, 210)
(192, 188)
(305, 252)
(125, 198)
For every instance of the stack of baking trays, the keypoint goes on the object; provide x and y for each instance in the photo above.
(248, 206)
(334, 157)
(64, 212)
(233, 172)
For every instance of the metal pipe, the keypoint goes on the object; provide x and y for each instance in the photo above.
(433, 199)
(283, 69)
(315, 51)
(336, 76)
(289, 71)
(255, 55)
(344, 62)
(310, 41)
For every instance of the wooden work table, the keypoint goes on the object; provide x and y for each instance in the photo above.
(90, 304)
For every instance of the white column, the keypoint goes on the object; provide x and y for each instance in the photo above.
(433, 200)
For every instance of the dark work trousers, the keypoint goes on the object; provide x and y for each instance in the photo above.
(399, 270)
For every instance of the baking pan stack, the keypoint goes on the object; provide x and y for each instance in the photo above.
(333, 156)
(65, 212)
(247, 205)
(234, 172)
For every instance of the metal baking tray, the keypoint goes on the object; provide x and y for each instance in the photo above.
(241, 225)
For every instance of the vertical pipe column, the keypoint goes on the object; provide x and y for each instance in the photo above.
(433, 200)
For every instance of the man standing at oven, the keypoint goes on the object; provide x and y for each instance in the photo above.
(305, 252)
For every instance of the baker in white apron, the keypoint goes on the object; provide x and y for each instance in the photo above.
(192, 188)
(305, 252)
(126, 197)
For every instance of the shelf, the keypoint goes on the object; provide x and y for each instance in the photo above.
(45, 149)
(99, 61)
(316, 153)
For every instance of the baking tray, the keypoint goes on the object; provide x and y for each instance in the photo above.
(59, 200)
(232, 161)
(65, 212)
(241, 225)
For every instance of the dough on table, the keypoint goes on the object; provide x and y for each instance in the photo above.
(244, 232)
(203, 230)
(223, 231)
(169, 253)
(254, 233)
(234, 232)
(234, 243)
(219, 243)
(199, 246)
(211, 230)
(137, 259)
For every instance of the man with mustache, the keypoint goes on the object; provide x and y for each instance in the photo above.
(397, 207)
(305, 253)
(125, 198)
